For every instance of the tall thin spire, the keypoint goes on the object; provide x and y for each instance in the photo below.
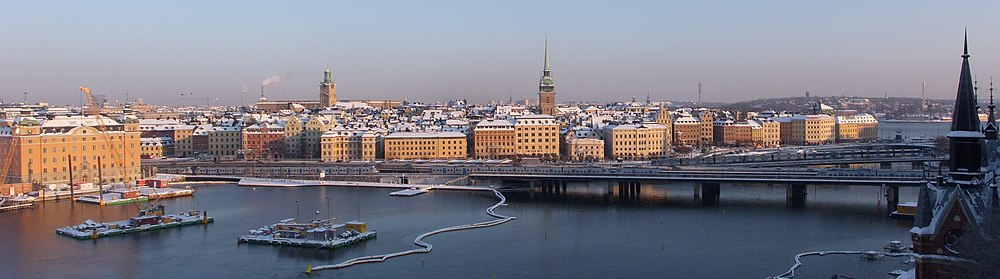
(966, 114)
(965, 54)
(991, 122)
(547, 68)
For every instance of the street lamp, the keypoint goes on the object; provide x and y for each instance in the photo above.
(328, 207)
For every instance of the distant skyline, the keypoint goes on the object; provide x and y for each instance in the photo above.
(486, 50)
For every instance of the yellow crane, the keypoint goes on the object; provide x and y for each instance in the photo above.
(118, 149)
(8, 158)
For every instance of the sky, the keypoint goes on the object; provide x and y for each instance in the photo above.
(433, 51)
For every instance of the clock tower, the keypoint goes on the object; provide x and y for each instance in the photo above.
(547, 87)
(327, 90)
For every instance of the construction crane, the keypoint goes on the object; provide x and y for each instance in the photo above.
(8, 157)
(117, 156)
(208, 101)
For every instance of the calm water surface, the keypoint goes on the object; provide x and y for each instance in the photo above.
(580, 235)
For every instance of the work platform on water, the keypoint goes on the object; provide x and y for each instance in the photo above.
(315, 234)
(148, 220)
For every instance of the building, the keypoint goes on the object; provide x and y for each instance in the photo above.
(861, 127)
(184, 141)
(327, 90)
(636, 141)
(547, 87)
(707, 121)
(45, 151)
(327, 98)
(494, 138)
(263, 141)
(728, 132)
(810, 129)
(952, 211)
(426, 146)
(536, 136)
(341, 144)
(312, 132)
(765, 133)
(687, 131)
(225, 142)
(156, 147)
(293, 137)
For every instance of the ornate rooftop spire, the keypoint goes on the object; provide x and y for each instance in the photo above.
(547, 68)
(966, 114)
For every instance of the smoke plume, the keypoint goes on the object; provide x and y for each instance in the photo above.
(271, 80)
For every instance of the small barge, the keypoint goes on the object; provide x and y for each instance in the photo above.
(413, 191)
(16, 202)
(159, 193)
(148, 220)
(905, 211)
(315, 234)
(110, 199)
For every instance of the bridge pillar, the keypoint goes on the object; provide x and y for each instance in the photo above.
(638, 190)
(885, 166)
(795, 195)
(892, 197)
(710, 194)
(563, 185)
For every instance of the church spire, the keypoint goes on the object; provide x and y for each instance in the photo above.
(991, 121)
(547, 68)
(966, 114)
(966, 136)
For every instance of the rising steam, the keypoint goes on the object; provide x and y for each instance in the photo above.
(271, 80)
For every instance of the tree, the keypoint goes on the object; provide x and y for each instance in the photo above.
(941, 145)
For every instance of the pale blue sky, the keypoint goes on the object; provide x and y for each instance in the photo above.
(481, 50)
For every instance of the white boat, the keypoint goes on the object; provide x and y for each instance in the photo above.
(16, 202)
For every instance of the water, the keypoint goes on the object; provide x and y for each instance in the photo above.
(750, 235)
(912, 130)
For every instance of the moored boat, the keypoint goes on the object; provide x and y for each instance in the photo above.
(16, 202)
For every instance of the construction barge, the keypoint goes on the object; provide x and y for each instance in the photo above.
(315, 234)
(149, 219)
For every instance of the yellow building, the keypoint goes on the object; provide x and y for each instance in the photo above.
(636, 141)
(807, 129)
(156, 147)
(44, 151)
(536, 136)
(293, 137)
(341, 144)
(184, 140)
(414, 146)
(494, 139)
(765, 133)
(312, 133)
(859, 127)
(585, 149)
(225, 142)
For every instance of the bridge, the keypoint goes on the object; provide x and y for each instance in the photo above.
(552, 180)
(843, 154)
